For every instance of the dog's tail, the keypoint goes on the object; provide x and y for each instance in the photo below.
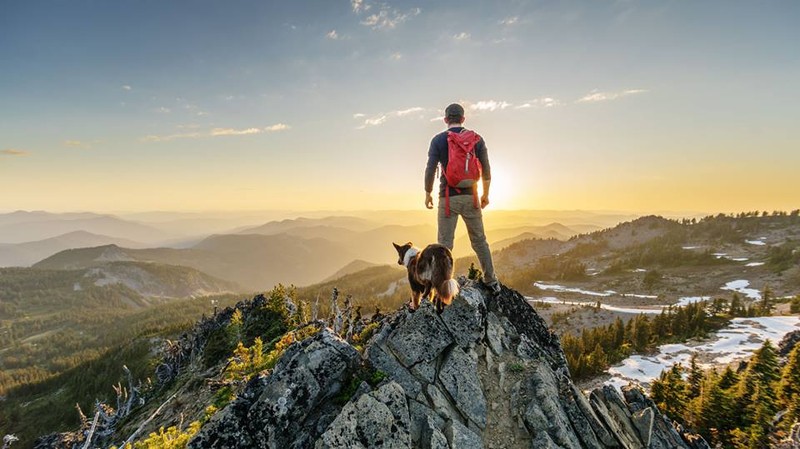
(448, 290)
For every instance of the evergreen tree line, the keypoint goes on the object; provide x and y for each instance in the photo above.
(748, 408)
(595, 349)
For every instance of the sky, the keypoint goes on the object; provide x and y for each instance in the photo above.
(331, 105)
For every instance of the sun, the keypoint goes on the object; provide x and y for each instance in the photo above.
(501, 191)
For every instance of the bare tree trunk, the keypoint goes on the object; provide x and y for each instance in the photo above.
(147, 421)
(7, 440)
(91, 431)
(336, 314)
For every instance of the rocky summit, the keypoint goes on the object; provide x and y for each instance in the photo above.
(485, 373)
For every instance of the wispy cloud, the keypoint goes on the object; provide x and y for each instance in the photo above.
(333, 35)
(127, 87)
(396, 56)
(359, 6)
(375, 121)
(595, 95)
(218, 132)
(77, 144)
(489, 105)
(544, 102)
(380, 119)
(234, 132)
(409, 111)
(13, 152)
(462, 36)
(386, 17)
(277, 127)
(509, 21)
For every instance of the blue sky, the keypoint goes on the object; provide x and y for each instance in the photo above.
(142, 105)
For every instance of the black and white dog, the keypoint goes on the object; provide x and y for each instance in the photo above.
(428, 270)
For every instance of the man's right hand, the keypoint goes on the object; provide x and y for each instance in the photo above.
(428, 200)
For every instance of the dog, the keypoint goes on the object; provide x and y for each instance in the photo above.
(429, 270)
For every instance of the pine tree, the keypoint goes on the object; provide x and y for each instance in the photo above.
(641, 334)
(598, 361)
(695, 377)
(762, 418)
(736, 305)
(789, 386)
(765, 364)
(669, 392)
(728, 378)
(766, 304)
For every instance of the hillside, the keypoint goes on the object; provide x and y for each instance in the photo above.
(20, 227)
(50, 319)
(352, 267)
(683, 259)
(28, 253)
(354, 224)
(256, 262)
(664, 258)
(489, 375)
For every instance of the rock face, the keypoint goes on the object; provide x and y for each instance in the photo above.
(291, 407)
(486, 373)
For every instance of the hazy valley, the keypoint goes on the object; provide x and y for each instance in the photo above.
(93, 309)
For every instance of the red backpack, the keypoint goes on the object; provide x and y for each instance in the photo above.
(463, 167)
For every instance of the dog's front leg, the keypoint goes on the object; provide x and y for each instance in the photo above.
(415, 297)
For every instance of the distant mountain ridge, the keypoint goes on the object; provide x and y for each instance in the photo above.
(28, 253)
(20, 227)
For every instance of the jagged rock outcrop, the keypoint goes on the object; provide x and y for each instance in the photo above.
(291, 407)
(486, 373)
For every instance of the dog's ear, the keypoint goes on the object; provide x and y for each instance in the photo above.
(396, 246)
(409, 244)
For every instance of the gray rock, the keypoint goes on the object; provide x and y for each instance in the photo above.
(609, 407)
(459, 436)
(657, 432)
(576, 411)
(546, 411)
(439, 403)
(420, 413)
(421, 338)
(643, 421)
(585, 409)
(464, 317)
(459, 377)
(495, 334)
(376, 420)
(543, 441)
(425, 372)
(382, 359)
(285, 408)
(431, 437)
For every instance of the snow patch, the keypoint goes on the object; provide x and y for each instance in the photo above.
(736, 342)
(562, 289)
(740, 286)
(759, 242)
(754, 264)
(686, 300)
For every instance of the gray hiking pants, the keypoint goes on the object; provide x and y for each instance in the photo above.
(464, 206)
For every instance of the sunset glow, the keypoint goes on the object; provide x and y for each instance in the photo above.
(130, 106)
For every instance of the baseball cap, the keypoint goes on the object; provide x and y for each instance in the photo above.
(454, 110)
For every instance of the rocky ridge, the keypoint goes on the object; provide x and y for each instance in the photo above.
(486, 373)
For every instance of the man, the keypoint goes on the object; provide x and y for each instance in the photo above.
(455, 202)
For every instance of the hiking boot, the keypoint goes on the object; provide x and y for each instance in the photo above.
(494, 287)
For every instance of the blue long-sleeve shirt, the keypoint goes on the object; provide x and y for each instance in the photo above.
(438, 154)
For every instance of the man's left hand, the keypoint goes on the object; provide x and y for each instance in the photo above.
(484, 201)
(428, 200)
